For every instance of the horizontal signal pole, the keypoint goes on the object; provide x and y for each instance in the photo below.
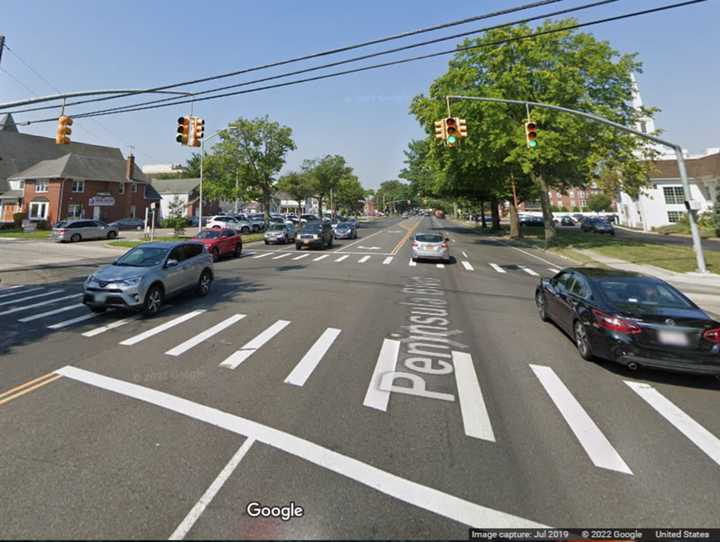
(53, 97)
(697, 243)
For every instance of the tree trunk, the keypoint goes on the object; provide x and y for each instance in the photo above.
(482, 214)
(550, 231)
(320, 207)
(515, 231)
(495, 212)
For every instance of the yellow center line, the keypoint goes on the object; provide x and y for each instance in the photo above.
(402, 241)
(27, 387)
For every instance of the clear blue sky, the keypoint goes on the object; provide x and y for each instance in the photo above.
(87, 44)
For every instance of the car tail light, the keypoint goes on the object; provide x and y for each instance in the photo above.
(444, 245)
(415, 244)
(712, 335)
(616, 323)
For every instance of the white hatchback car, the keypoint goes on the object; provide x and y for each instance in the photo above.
(228, 222)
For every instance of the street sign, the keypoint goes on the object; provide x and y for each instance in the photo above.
(101, 201)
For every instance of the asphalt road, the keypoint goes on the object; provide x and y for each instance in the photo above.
(317, 393)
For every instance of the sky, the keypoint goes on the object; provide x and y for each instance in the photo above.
(89, 44)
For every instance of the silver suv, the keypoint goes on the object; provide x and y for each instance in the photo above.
(145, 276)
(77, 230)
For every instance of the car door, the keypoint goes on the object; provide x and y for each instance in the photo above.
(175, 274)
(568, 300)
(227, 241)
(558, 285)
(194, 264)
(89, 229)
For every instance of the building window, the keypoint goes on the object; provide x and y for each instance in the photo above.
(75, 210)
(674, 195)
(133, 211)
(38, 210)
(643, 127)
(41, 186)
(674, 216)
(134, 187)
(122, 188)
(78, 186)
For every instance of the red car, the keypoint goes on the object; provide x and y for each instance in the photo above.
(220, 242)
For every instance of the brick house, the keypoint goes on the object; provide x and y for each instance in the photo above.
(53, 182)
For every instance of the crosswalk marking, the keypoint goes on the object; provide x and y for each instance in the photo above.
(246, 254)
(376, 397)
(302, 371)
(283, 255)
(440, 265)
(553, 270)
(108, 327)
(593, 441)
(162, 327)
(39, 304)
(6, 288)
(497, 268)
(251, 347)
(412, 263)
(200, 337)
(698, 435)
(464, 254)
(28, 298)
(50, 313)
(467, 266)
(528, 270)
(363, 259)
(320, 257)
(262, 255)
(20, 293)
(300, 257)
(387, 260)
(66, 323)
(341, 258)
(472, 405)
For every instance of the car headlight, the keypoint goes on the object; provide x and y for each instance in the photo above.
(90, 279)
(134, 281)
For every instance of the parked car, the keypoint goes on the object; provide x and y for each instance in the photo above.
(194, 220)
(257, 222)
(597, 225)
(632, 319)
(219, 242)
(345, 230)
(354, 221)
(229, 222)
(532, 220)
(79, 229)
(308, 218)
(145, 276)
(430, 246)
(567, 221)
(280, 233)
(128, 224)
(315, 235)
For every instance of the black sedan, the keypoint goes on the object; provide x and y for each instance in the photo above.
(128, 224)
(597, 225)
(631, 319)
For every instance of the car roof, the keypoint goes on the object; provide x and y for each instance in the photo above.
(163, 244)
(601, 273)
(428, 233)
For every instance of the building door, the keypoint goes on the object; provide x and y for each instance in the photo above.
(97, 213)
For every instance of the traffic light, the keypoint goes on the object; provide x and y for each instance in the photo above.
(462, 126)
(531, 134)
(198, 131)
(451, 131)
(62, 136)
(183, 130)
(440, 129)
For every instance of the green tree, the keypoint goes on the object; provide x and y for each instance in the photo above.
(299, 186)
(599, 202)
(176, 219)
(350, 195)
(325, 174)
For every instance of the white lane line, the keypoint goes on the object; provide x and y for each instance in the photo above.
(528, 270)
(162, 327)
(595, 444)
(467, 266)
(66, 323)
(283, 255)
(363, 259)
(28, 298)
(465, 254)
(553, 270)
(246, 254)
(701, 437)
(200, 337)
(412, 263)
(376, 397)
(21, 293)
(298, 257)
(321, 257)
(497, 268)
(50, 313)
(529, 254)
(440, 265)
(262, 255)
(472, 405)
(249, 349)
(6, 288)
(40, 304)
(302, 371)
(194, 514)
(341, 258)
(425, 498)
(387, 260)
(362, 239)
(108, 327)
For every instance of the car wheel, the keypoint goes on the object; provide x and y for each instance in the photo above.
(541, 307)
(238, 250)
(98, 310)
(153, 300)
(204, 283)
(215, 254)
(582, 341)
(245, 229)
(216, 227)
(297, 246)
(267, 242)
(111, 234)
(75, 237)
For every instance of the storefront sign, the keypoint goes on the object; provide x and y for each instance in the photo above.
(102, 201)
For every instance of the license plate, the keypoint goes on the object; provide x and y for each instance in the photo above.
(306, 242)
(673, 338)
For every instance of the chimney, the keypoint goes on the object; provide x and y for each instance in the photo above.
(130, 167)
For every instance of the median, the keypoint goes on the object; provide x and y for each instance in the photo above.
(131, 243)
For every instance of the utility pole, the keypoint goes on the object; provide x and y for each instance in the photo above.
(2, 45)
(237, 185)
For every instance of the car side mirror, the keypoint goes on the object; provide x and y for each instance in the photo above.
(447, 239)
(171, 263)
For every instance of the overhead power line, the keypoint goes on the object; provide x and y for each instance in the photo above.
(539, 3)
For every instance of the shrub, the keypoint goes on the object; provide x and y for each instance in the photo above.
(43, 225)
(18, 218)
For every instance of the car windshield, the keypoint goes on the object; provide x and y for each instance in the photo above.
(312, 227)
(142, 257)
(62, 224)
(344, 226)
(429, 238)
(631, 293)
(208, 234)
(276, 227)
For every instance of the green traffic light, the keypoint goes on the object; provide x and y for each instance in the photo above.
(452, 139)
(532, 143)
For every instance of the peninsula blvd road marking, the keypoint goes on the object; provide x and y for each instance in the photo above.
(413, 493)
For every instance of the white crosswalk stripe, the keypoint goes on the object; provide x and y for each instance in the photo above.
(412, 263)
(363, 259)
(108, 327)
(39, 304)
(300, 257)
(376, 397)
(302, 371)
(467, 266)
(440, 265)
(6, 288)
(497, 268)
(698, 435)
(593, 441)
(50, 313)
(341, 258)
(262, 255)
(528, 270)
(321, 257)
(387, 260)
(200, 337)
(472, 405)
(19, 293)
(283, 255)
(251, 347)
(66, 323)
(465, 254)
(28, 298)
(162, 327)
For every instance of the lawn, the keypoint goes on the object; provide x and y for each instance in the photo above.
(37, 234)
(130, 243)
